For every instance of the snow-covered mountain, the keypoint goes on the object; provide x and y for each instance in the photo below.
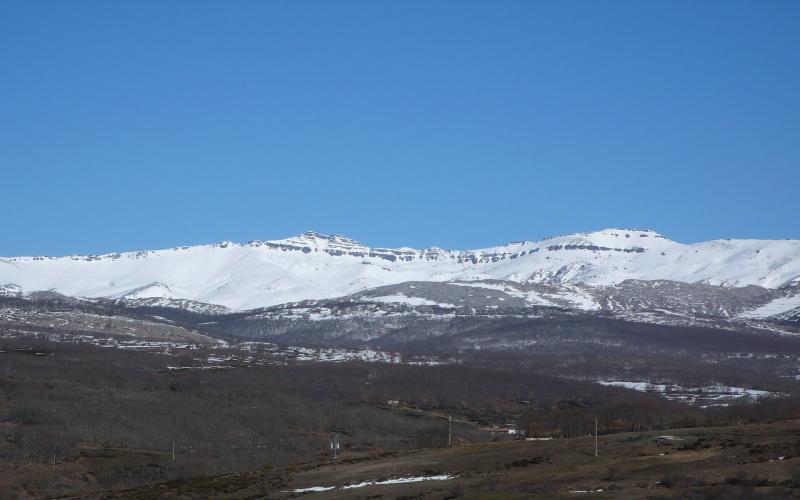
(316, 266)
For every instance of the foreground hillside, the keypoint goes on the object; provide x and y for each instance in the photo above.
(755, 461)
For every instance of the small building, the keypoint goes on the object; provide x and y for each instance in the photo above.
(660, 440)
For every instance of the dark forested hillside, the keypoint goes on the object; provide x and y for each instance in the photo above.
(93, 395)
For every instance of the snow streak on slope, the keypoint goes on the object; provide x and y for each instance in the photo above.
(776, 308)
(315, 266)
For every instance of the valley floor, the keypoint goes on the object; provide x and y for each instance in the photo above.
(754, 461)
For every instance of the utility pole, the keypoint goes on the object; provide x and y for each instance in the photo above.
(54, 461)
(173, 450)
(595, 436)
(335, 444)
(449, 431)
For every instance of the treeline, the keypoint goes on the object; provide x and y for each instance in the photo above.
(77, 399)
(111, 416)
(654, 415)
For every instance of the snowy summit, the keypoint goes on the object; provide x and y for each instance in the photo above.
(317, 266)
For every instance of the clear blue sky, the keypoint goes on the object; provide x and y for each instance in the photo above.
(133, 125)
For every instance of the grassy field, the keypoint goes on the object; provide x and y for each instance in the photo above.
(754, 461)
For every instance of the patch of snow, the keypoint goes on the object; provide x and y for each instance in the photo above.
(704, 397)
(363, 484)
(776, 307)
(400, 480)
(403, 299)
(314, 489)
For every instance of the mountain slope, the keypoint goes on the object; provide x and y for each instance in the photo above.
(315, 266)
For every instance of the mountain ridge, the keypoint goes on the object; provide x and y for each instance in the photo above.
(316, 266)
(312, 239)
